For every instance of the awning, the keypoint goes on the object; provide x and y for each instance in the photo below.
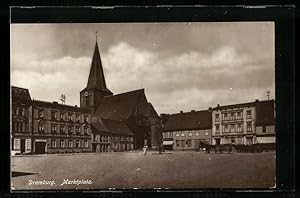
(167, 143)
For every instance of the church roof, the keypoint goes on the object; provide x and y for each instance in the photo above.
(120, 106)
(96, 77)
(189, 121)
(110, 126)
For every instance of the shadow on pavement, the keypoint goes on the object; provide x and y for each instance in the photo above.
(18, 174)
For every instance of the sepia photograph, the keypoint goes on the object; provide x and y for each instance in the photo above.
(168, 105)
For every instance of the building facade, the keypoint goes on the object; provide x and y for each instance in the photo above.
(59, 128)
(21, 125)
(185, 131)
(242, 124)
(111, 136)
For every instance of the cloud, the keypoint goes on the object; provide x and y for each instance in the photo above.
(174, 80)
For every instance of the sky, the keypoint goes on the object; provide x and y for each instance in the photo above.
(181, 66)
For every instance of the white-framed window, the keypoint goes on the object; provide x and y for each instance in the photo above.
(232, 128)
(70, 143)
(225, 116)
(217, 118)
(86, 144)
(23, 111)
(232, 116)
(41, 128)
(239, 128)
(177, 134)
(53, 143)
(53, 128)
(197, 133)
(182, 134)
(206, 133)
(62, 143)
(249, 127)
(226, 129)
(190, 134)
(239, 115)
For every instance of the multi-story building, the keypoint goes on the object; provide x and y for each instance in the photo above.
(21, 124)
(185, 131)
(265, 122)
(59, 128)
(111, 135)
(237, 124)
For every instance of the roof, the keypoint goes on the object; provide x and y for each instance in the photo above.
(248, 104)
(19, 93)
(189, 120)
(96, 77)
(57, 106)
(265, 112)
(120, 106)
(110, 126)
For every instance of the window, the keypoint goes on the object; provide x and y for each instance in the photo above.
(17, 111)
(77, 118)
(85, 130)
(248, 114)
(232, 128)
(217, 118)
(239, 128)
(217, 128)
(70, 129)
(86, 144)
(77, 144)
(190, 134)
(23, 111)
(182, 134)
(53, 143)
(53, 128)
(178, 143)
(70, 117)
(77, 130)
(41, 128)
(249, 127)
(206, 133)
(61, 116)
(41, 113)
(225, 116)
(86, 118)
(249, 141)
(62, 128)
(197, 133)
(189, 143)
(177, 134)
(232, 116)
(62, 143)
(70, 143)
(263, 129)
(226, 128)
(53, 115)
(239, 115)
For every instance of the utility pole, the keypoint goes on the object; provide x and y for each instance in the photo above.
(268, 94)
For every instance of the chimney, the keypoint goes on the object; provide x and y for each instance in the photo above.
(218, 105)
(193, 110)
(256, 100)
(181, 111)
(54, 102)
(209, 108)
(75, 105)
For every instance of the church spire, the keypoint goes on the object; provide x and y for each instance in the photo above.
(96, 77)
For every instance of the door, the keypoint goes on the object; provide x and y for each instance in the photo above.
(40, 147)
(22, 145)
(218, 141)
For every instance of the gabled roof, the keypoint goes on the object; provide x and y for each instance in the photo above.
(189, 120)
(96, 77)
(265, 112)
(110, 126)
(19, 93)
(120, 106)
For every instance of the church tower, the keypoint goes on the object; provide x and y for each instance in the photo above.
(96, 89)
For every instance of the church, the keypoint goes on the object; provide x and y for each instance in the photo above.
(120, 122)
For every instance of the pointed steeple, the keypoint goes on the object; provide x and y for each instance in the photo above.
(96, 77)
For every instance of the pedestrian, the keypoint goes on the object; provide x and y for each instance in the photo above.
(145, 150)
